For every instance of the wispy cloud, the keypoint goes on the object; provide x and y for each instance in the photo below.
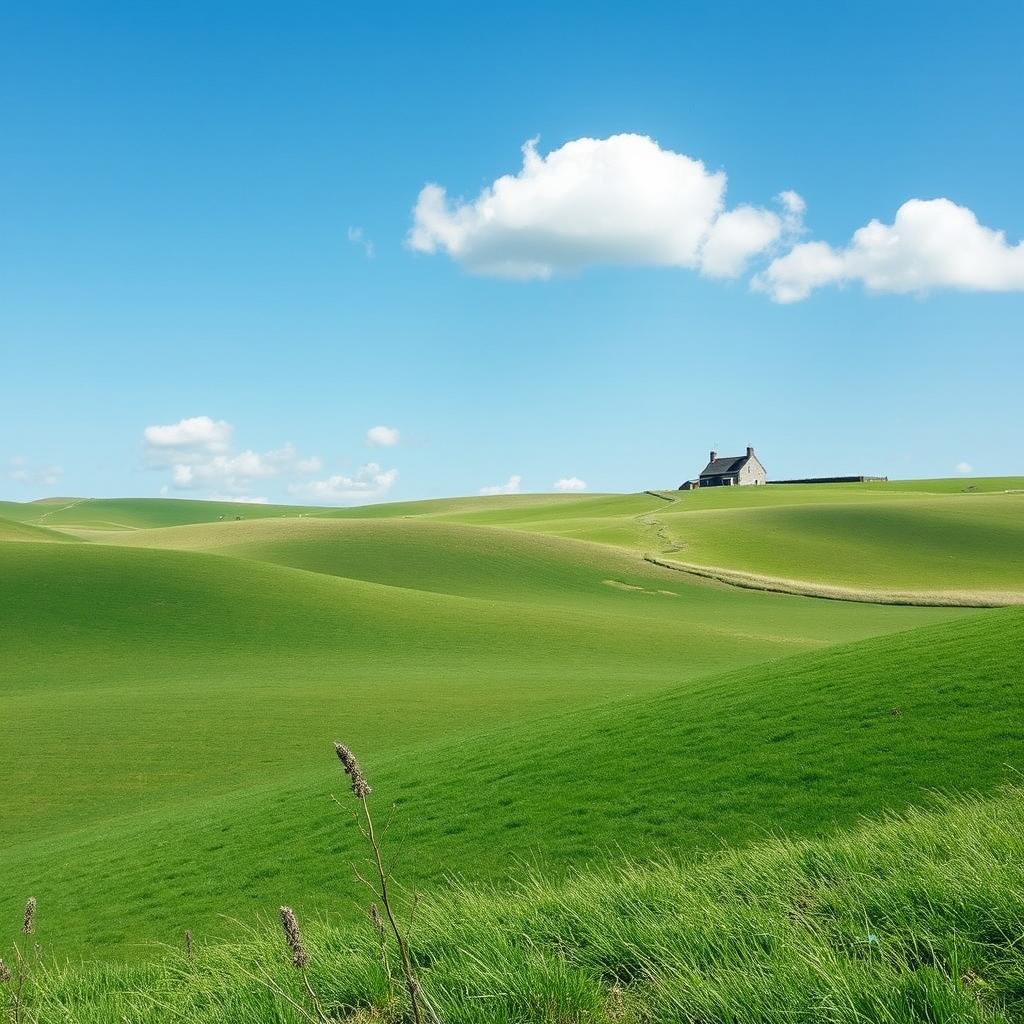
(24, 471)
(357, 236)
(570, 483)
(368, 483)
(964, 467)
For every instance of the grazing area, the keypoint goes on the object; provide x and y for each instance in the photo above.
(558, 724)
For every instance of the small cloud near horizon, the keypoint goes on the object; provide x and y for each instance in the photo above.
(570, 483)
(198, 453)
(510, 486)
(964, 467)
(369, 482)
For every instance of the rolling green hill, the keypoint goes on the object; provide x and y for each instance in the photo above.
(12, 530)
(964, 542)
(109, 647)
(914, 919)
(138, 513)
(237, 813)
(519, 681)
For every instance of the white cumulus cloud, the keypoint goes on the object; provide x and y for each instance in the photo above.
(198, 454)
(964, 467)
(369, 482)
(510, 486)
(196, 432)
(570, 483)
(382, 437)
(931, 243)
(620, 200)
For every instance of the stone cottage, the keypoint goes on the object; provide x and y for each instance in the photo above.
(730, 471)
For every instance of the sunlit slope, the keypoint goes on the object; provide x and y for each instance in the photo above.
(10, 530)
(916, 535)
(160, 673)
(506, 565)
(957, 542)
(144, 513)
(139, 513)
(800, 745)
(426, 554)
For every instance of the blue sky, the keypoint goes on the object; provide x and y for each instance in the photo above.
(180, 184)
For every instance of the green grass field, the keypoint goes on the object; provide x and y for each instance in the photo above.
(521, 684)
(913, 919)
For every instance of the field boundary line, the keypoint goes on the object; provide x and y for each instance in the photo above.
(829, 592)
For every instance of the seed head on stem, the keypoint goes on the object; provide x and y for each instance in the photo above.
(293, 937)
(29, 924)
(360, 786)
(5, 973)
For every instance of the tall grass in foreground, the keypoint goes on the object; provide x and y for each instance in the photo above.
(917, 918)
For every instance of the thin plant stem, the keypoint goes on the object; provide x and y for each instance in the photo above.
(403, 947)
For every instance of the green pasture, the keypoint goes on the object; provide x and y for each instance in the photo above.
(525, 690)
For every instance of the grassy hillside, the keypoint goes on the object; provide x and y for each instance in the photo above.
(906, 921)
(11, 530)
(521, 682)
(111, 648)
(905, 535)
(138, 513)
(963, 542)
(803, 745)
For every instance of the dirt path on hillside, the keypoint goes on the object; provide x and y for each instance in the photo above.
(829, 592)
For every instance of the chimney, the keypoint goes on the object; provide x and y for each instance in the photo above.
(750, 451)
(714, 455)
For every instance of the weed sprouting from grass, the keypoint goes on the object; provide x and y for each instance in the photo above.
(16, 979)
(293, 937)
(361, 790)
(29, 923)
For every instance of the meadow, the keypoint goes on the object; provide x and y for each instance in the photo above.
(556, 721)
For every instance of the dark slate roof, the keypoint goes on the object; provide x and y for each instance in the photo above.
(725, 465)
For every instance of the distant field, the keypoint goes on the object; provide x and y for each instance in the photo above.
(12, 530)
(514, 674)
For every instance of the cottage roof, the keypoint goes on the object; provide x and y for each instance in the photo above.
(725, 464)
